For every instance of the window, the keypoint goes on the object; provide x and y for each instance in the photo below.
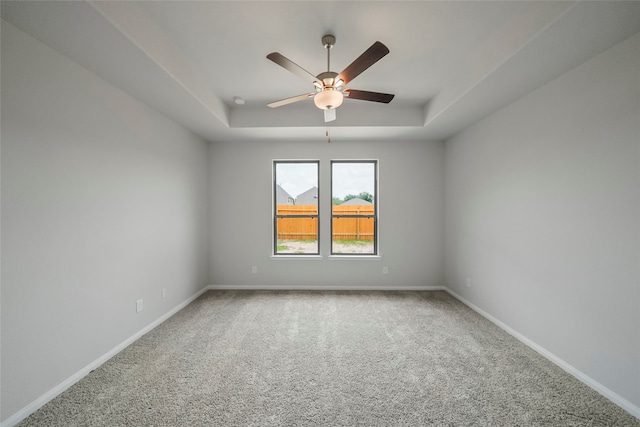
(354, 210)
(295, 207)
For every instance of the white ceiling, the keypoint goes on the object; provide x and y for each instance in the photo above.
(451, 63)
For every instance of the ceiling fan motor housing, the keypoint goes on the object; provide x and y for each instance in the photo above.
(328, 79)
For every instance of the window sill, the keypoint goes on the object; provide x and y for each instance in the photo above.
(354, 257)
(297, 257)
(329, 257)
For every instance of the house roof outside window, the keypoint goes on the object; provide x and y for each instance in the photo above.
(356, 201)
(309, 197)
(282, 197)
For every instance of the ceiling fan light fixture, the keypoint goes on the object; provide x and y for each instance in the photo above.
(328, 99)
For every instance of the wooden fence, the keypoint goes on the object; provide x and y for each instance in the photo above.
(343, 228)
(297, 228)
(352, 228)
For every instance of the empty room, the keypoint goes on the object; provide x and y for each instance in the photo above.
(326, 213)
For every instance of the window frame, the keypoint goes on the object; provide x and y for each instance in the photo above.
(375, 215)
(276, 216)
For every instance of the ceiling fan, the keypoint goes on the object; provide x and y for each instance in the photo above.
(330, 86)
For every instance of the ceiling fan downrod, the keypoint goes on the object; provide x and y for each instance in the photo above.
(328, 41)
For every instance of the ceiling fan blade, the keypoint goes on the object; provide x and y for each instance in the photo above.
(290, 100)
(292, 66)
(368, 96)
(330, 115)
(370, 56)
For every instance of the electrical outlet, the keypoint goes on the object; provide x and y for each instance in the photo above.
(138, 306)
(254, 269)
(385, 270)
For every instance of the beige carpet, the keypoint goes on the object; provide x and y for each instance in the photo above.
(307, 358)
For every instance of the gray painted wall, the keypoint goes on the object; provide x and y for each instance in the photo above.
(542, 214)
(411, 235)
(104, 202)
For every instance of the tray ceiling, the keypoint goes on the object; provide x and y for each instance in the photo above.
(451, 63)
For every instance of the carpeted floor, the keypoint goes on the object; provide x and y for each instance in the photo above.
(307, 358)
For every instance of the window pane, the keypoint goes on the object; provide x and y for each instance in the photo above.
(352, 183)
(296, 207)
(353, 192)
(297, 236)
(353, 236)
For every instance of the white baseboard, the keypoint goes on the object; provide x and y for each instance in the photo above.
(324, 288)
(48, 396)
(606, 392)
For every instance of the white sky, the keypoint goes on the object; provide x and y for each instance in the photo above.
(348, 178)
